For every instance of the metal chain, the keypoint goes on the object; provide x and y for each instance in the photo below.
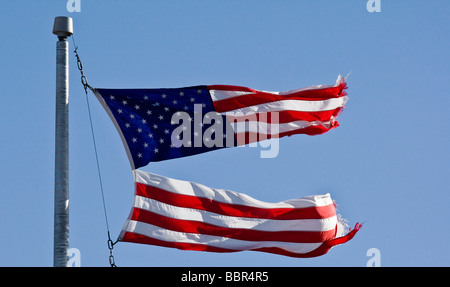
(84, 81)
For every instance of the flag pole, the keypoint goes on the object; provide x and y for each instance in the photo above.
(63, 28)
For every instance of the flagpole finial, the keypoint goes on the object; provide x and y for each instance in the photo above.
(63, 27)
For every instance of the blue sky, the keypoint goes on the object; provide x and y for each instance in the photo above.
(387, 164)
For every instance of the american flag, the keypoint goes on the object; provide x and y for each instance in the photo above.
(189, 216)
(161, 124)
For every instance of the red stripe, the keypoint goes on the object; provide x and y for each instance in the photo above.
(142, 239)
(251, 137)
(321, 250)
(258, 97)
(286, 116)
(230, 209)
(230, 88)
(190, 226)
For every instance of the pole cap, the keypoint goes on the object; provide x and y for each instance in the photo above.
(63, 27)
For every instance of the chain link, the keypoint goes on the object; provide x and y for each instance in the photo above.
(111, 244)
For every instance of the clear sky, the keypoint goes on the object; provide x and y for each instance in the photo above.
(387, 164)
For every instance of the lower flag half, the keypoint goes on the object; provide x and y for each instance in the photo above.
(189, 216)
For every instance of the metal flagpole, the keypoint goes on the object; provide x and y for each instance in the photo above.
(63, 28)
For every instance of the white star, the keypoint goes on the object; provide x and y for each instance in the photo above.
(132, 116)
(119, 111)
(155, 126)
(199, 91)
(137, 107)
(174, 102)
(160, 117)
(146, 97)
(134, 140)
(156, 150)
(139, 155)
(124, 102)
(192, 100)
(161, 140)
(150, 135)
(112, 97)
(127, 125)
(166, 131)
(144, 121)
(166, 109)
(156, 104)
(181, 94)
(163, 96)
(146, 145)
(186, 108)
(139, 130)
(149, 112)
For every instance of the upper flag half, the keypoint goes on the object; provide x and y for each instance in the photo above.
(189, 216)
(161, 124)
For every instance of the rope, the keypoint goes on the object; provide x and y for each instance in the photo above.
(85, 84)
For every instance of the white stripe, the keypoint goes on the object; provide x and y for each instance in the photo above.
(215, 241)
(183, 213)
(217, 95)
(290, 105)
(225, 196)
(274, 129)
